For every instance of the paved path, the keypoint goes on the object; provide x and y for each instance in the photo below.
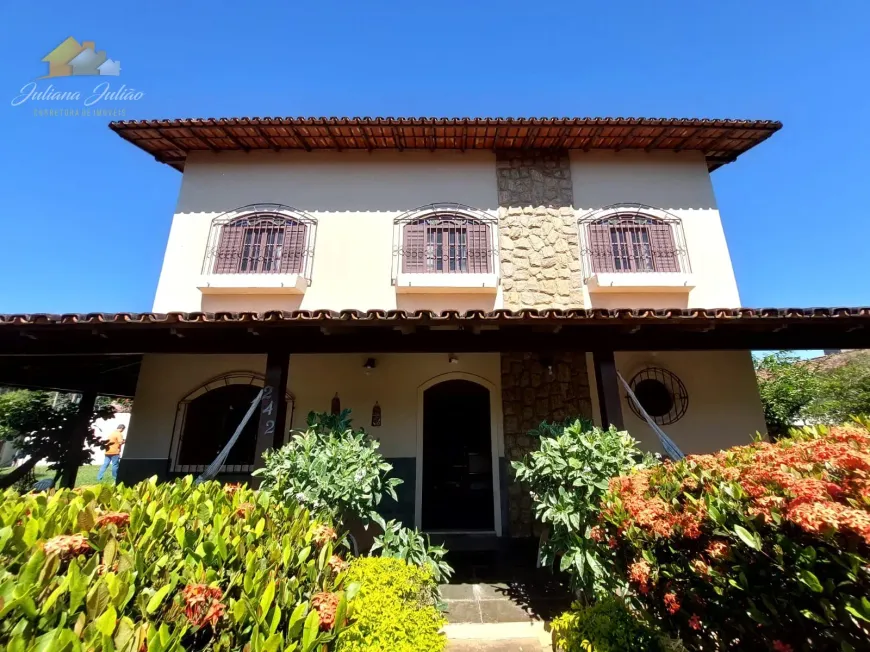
(483, 602)
(514, 645)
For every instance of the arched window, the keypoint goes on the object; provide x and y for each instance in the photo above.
(633, 238)
(447, 239)
(208, 417)
(260, 239)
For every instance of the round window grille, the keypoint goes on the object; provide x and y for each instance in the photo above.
(661, 394)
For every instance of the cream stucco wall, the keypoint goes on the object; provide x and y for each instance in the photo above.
(677, 183)
(164, 380)
(314, 379)
(354, 196)
(724, 409)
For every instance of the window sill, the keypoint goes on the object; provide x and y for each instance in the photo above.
(640, 282)
(252, 283)
(454, 283)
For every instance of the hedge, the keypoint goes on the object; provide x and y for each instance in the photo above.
(167, 567)
(762, 547)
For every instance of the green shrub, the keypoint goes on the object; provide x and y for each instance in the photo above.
(166, 567)
(568, 476)
(759, 547)
(606, 626)
(394, 610)
(400, 542)
(337, 473)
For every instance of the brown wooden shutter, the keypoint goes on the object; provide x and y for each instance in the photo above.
(478, 248)
(229, 251)
(414, 248)
(664, 252)
(601, 248)
(293, 256)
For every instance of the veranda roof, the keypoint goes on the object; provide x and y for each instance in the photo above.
(425, 330)
(171, 141)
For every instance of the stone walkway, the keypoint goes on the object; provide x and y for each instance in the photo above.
(500, 604)
(511, 602)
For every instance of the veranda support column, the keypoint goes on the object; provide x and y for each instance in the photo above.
(273, 407)
(608, 389)
(79, 432)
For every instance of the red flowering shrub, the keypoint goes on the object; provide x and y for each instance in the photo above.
(67, 546)
(763, 547)
(119, 519)
(202, 604)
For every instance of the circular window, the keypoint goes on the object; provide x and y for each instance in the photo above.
(661, 394)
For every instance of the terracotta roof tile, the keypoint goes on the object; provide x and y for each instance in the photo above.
(376, 316)
(170, 141)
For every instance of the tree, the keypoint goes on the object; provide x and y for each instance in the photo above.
(40, 426)
(843, 392)
(787, 387)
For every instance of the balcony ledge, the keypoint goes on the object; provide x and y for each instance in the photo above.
(641, 282)
(453, 283)
(252, 283)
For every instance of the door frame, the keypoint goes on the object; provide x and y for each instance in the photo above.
(495, 436)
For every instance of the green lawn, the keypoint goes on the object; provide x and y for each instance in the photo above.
(87, 474)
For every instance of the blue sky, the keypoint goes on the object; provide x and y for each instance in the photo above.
(86, 215)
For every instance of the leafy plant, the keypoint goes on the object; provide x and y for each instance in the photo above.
(606, 626)
(787, 386)
(40, 428)
(408, 544)
(842, 392)
(568, 476)
(167, 567)
(332, 472)
(759, 547)
(393, 611)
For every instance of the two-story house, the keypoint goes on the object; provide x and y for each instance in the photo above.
(442, 215)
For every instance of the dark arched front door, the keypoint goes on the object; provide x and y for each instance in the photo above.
(457, 458)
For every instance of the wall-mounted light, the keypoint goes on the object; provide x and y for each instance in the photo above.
(376, 416)
(335, 407)
(452, 358)
(369, 365)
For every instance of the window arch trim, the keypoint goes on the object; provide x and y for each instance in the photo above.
(261, 239)
(632, 237)
(445, 238)
(240, 377)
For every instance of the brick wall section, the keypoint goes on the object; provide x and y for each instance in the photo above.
(539, 248)
(531, 395)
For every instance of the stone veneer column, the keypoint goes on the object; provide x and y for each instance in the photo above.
(539, 245)
(530, 394)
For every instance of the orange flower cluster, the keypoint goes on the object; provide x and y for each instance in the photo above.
(202, 604)
(323, 534)
(819, 483)
(244, 509)
(672, 604)
(651, 513)
(700, 567)
(67, 546)
(779, 646)
(337, 564)
(639, 574)
(596, 533)
(232, 487)
(326, 604)
(718, 550)
(119, 519)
